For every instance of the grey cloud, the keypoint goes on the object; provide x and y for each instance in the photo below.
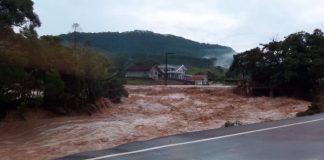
(241, 24)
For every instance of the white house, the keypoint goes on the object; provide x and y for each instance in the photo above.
(174, 71)
(144, 71)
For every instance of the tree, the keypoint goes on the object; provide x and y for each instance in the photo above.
(41, 72)
(76, 28)
(296, 62)
(18, 13)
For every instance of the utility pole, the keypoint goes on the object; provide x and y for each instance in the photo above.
(166, 68)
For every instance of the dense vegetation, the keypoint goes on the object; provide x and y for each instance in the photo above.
(40, 72)
(296, 62)
(148, 47)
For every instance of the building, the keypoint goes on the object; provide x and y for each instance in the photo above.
(144, 71)
(174, 71)
(198, 79)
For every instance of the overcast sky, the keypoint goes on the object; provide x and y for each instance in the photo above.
(240, 24)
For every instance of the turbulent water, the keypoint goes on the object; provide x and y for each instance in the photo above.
(148, 113)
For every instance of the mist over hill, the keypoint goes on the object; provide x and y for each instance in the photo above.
(149, 47)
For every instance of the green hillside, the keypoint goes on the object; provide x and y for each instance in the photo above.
(149, 47)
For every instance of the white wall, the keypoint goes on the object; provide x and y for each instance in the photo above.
(137, 75)
(153, 73)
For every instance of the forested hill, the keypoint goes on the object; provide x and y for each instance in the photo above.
(148, 46)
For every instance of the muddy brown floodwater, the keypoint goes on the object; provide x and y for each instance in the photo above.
(149, 112)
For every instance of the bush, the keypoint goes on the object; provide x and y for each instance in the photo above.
(66, 80)
(54, 87)
(313, 109)
(293, 63)
(232, 124)
(118, 91)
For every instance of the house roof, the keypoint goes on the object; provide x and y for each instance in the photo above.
(196, 77)
(175, 68)
(140, 68)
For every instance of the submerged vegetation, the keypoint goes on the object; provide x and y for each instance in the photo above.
(40, 72)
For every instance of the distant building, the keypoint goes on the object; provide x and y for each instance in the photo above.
(174, 71)
(144, 71)
(198, 79)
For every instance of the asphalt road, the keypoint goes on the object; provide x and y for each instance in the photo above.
(292, 139)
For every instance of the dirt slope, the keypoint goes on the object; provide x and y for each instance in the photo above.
(149, 112)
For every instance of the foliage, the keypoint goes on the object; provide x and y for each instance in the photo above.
(197, 71)
(53, 87)
(145, 46)
(215, 74)
(64, 76)
(313, 109)
(115, 93)
(12, 85)
(41, 72)
(295, 62)
(18, 13)
(232, 124)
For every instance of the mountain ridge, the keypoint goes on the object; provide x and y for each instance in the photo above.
(134, 45)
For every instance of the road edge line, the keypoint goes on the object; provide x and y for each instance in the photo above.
(202, 140)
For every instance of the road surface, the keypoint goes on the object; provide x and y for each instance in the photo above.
(292, 139)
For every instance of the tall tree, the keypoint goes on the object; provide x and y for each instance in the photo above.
(76, 28)
(295, 62)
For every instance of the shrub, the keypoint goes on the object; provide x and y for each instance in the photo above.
(54, 87)
(232, 124)
(313, 109)
(67, 79)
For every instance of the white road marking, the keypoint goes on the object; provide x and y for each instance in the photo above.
(202, 140)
